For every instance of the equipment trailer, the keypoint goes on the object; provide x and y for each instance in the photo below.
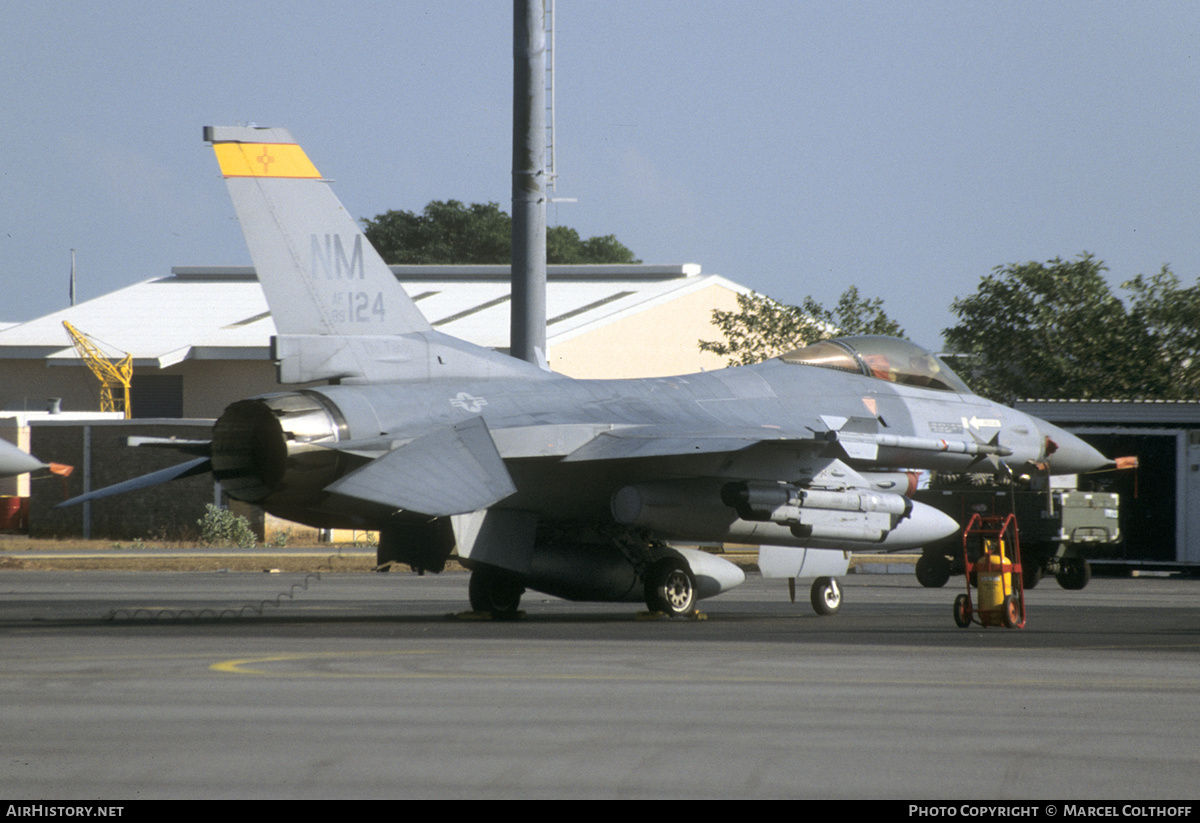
(1061, 529)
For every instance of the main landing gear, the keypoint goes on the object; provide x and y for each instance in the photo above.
(495, 592)
(670, 587)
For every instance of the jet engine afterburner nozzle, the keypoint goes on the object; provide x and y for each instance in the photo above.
(272, 446)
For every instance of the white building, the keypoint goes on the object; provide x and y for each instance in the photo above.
(200, 337)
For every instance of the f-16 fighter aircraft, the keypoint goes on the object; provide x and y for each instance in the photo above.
(569, 487)
(14, 461)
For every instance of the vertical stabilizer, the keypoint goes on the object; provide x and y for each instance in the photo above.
(320, 274)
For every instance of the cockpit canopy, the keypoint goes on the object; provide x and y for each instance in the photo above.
(885, 358)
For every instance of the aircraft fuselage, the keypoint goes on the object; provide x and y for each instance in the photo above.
(770, 422)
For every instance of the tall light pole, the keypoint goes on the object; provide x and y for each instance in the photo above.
(528, 332)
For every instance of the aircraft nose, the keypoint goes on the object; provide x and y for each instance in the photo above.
(1067, 454)
(13, 461)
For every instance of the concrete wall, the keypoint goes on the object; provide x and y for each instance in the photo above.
(164, 512)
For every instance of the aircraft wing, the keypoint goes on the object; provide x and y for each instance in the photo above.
(674, 441)
(855, 441)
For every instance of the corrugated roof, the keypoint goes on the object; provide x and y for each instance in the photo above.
(1114, 412)
(220, 313)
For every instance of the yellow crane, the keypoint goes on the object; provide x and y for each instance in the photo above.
(112, 373)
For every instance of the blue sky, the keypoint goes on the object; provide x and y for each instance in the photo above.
(794, 147)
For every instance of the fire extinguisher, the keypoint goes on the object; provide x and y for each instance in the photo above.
(994, 573)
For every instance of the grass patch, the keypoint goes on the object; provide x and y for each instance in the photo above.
(84, 555)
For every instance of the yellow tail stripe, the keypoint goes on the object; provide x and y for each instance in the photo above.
(264, 160)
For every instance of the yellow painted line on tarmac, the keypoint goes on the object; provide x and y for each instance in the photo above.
(535, 669)
(259, 666)
(245, 665)
(251, 666)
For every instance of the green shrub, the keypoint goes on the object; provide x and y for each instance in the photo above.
(221, 527)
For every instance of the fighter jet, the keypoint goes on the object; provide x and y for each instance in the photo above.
(14, 461)
(570, 487)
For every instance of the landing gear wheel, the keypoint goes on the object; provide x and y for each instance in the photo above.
(933, 570)
(1010, 614)
(670, 588)
(1073, 573)
(962, 611)
(826, 596)
(495, 592)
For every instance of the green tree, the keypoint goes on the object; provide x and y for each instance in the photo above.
(762, 328)
(1171, 316)
(1056, 329)
(449, 232)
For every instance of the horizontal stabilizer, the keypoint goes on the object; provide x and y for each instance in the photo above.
(451, 471)
(200, 465)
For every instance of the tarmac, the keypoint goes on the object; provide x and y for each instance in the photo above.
(245, 685)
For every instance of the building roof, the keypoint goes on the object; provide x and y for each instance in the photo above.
(1128, 413)
(219, 313)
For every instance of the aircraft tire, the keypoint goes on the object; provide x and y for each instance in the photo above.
(962, 611)
(1074, 573)
(495, 592)
(670, 587)
(826, 596)
(933, 570)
